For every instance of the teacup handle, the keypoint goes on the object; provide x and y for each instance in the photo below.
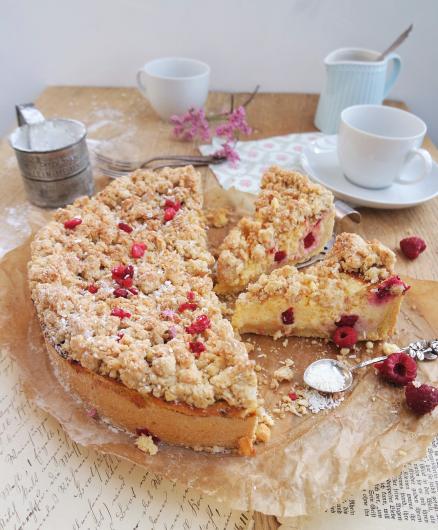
(427, 166)
(140, 84)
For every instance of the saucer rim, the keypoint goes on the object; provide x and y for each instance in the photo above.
(360, 201)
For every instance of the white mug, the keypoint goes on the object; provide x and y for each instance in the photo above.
(377, 142)
(173, 85)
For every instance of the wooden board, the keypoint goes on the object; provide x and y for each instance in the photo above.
(110, 112)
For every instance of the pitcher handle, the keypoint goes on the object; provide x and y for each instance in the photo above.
(390, 82)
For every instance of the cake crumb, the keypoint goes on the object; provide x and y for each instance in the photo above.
(285, 342)
(263, 433)
(345, 351)
(389, 348)
(369, 345)
(217, 217)
(285, 373)
(146, 444)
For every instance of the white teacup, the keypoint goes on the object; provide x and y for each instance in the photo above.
(377, 142)
(174, 84)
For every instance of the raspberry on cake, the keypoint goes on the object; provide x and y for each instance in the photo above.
(130, 318)
(352, 295)
(293, 220)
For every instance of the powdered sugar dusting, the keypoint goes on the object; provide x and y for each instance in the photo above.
(318, 402)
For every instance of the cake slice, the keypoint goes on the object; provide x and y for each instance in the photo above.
(121, 285)
(355, 287)
(292, 222)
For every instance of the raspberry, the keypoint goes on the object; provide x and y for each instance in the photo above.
(190, 296)
(125, 282)
(293, 396)
(398, 368)
(187, 305)
(280, 255)
(199, 325)
(120, 336)
(125, 227)
(412, 246)
(347, 320)
(421, 399)
(287, 317)
(121, 293)
(393, 286)
(176, 205)
(119, 312)
(169, 214)
(309, 240)
(138, 250)
(122, 272)
(92, 288)
(197, 347)
(123, 275)
(133, 290)
(71, 224)
(345, 337)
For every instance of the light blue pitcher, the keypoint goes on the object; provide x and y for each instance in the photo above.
(354, 77)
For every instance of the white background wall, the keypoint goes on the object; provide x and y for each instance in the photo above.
(277, 43)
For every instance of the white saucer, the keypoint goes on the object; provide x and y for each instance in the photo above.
(320, 160)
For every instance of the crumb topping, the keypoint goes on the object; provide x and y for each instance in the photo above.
(324, 282)
(288, 207)
(352, 254)
(131, 312)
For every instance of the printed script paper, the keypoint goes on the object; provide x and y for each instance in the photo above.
(47, 481)
(406, 502)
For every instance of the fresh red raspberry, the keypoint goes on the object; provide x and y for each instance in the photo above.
(287, 317)
(190, 296)
(71, 224)
(197, 347)
(347, 320)
(345, 337)
(391, 287)
(412, 246)
(293, 396)
(125, 227)
(120, 292)
(199, 325)
(92, 288)
(119, 312)
(138, 250)
(187, 305)
(176, 205)
(169, 214)
(133, 290)
(309, 240)
(421, 399)
(280, 255)
(398, 368)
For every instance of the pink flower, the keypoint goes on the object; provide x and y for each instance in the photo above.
(236, 122)
(228, 151)
(191, 125)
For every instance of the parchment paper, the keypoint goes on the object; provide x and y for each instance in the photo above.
(310, 462)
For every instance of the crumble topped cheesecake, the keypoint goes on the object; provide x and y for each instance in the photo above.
(354, 287)
(293, 220)
(121, 285)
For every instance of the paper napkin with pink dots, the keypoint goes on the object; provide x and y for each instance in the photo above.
(256, 156)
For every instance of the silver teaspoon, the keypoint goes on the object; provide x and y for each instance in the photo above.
(331, 375)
